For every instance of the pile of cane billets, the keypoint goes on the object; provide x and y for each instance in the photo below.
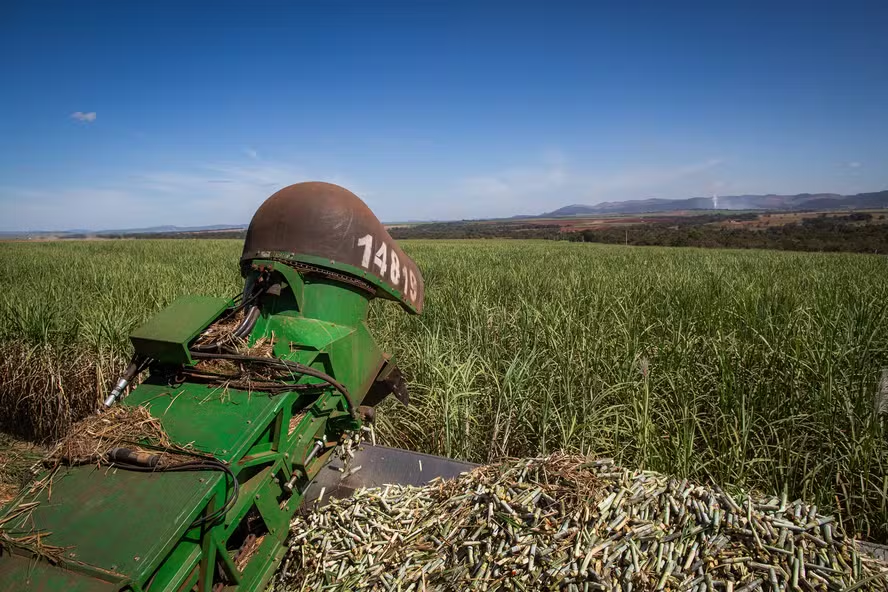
(565, 523)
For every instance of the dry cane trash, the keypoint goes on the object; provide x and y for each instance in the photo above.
(564, 523)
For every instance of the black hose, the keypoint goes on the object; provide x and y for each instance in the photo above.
(294, 367)
(259, 292)
(246, 326)
(137, 365)
(195, 465)
(241, 331)
(238, 381)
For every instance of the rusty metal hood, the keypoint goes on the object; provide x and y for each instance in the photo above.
(325, 225)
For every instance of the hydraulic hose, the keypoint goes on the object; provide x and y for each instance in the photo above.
(207, 464)
(143, 462)
(294, 367)
(136, 366)
(246, 326)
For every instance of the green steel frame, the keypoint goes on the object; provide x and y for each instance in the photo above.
(125, 530)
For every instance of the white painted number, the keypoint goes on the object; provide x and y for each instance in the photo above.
(396, 268)
(383, 263)
(379, 260)
(367, 243)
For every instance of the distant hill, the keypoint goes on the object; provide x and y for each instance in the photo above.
(169, 229)
(81, 233)
(766, 203)
(771, 202)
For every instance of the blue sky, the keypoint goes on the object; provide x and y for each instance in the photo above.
(126, 114)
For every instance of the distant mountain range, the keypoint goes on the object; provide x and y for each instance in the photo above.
(156, 229)
(771, 202)
(122, 231)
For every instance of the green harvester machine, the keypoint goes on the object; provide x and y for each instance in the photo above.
(258, 426)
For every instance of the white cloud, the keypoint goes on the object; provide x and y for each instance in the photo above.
(251, 152)
(88, 117)
(854, 164)
(230, 192)
(515, 182)
(651, 179)
(65, 209)
(225, 193)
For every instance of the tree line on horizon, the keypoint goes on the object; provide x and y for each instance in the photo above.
(856, 232)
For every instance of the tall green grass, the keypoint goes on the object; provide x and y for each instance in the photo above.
(757, 369)
(66, 309)
(754, 368)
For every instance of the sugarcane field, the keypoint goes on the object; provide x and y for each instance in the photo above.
(642, 419)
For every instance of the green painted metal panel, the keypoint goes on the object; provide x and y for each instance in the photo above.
(166, 335)
(358, 358)
(213, 420)
(389, 291)
(23, 574)
(313, 333)
(177, 566)
(352, 352)
(121, 521)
